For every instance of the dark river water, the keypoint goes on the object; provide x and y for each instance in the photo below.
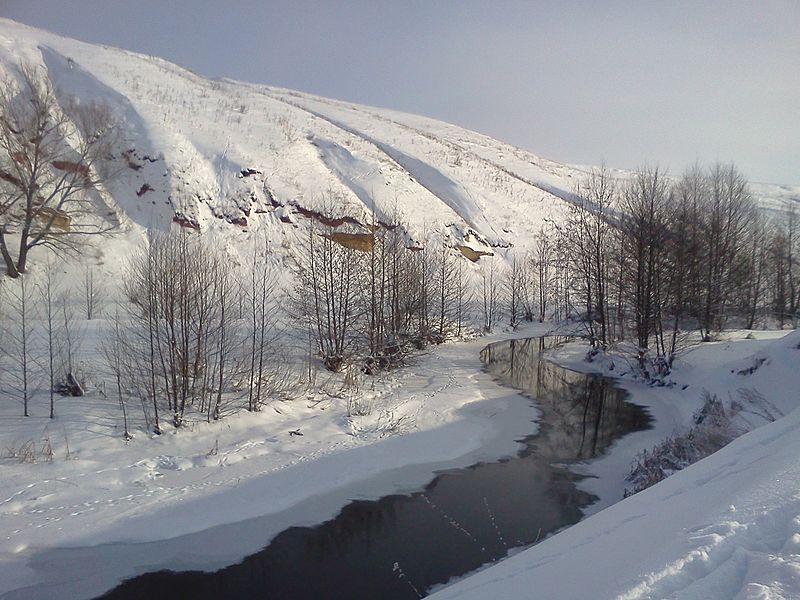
(400, 546)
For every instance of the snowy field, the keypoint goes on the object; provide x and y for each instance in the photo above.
(451, 414)
(439, 412)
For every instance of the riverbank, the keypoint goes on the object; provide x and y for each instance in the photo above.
(725, 527)
(712, 368)
(441, 411)
(474, 516)
(173, 502)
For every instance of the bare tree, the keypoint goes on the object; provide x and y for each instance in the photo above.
(514, 283)
(51, 166)
(728, 212)
(543, 267)
(757, 268)
(419, 294)
(94, 292)
(463, 290)
(587, 234)
(265, 371)
(113, 347)
(643, 207)
(490, 296)
(327, 295)
(779, 274)
(49, 292)
(181, 310)
(451, 292)
(791, 259)
(226, 359)
(19, 338)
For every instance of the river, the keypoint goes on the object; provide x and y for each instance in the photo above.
(401, 546)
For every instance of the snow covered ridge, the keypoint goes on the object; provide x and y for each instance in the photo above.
(229, 156)
(232, 157)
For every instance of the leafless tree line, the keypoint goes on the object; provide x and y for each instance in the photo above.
(197, 332)
(645, 260)
(42, 338)
(649, 258)
(370, 296)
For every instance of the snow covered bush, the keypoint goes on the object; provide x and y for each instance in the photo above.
(713, 428)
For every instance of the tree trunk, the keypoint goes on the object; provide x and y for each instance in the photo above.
(11, 268)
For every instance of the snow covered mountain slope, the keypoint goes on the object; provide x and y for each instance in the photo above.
(229, 156)
(234, 158)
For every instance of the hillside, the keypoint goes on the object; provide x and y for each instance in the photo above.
(224, 156)
(233, 158)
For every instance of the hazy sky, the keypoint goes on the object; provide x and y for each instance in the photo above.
(627, 83)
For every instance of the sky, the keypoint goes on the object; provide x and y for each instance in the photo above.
(625, 83)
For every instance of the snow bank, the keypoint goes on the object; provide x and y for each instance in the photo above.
(728, 526)
(119, 502)
(725, 527)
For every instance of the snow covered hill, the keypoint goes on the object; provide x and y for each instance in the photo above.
(233, 158)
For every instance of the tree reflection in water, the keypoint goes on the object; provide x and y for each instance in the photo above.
(585, 412)
(462, 520)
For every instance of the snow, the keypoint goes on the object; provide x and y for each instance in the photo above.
(708, 367)
(188, 139)
(209, 495)
(202, 133)
(726, 527)
(244, 468)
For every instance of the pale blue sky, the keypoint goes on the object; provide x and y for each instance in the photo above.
(580, 82)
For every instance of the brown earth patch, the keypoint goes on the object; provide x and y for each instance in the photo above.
(363, 242)
(472, 254)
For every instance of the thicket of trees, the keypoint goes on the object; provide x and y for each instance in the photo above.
(643, 260)
(370, 296)
(192, 330)
(196, 331)
(649, 258)
(179, 339)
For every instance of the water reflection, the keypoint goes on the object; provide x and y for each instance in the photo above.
(585, 412)
(461, 520)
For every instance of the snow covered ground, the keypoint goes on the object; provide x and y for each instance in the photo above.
(726, 527)
(185, 501)
(440, 412)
